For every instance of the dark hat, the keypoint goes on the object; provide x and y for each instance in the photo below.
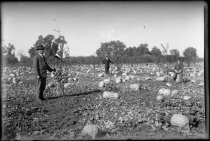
(40, 47)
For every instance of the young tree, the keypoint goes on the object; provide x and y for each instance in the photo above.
(52, 46)
(9, 54)
(175, 54)
(190, 55)
(156, 54)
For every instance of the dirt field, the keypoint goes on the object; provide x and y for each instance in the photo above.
(134, 115)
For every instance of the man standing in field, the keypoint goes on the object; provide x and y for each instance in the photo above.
(40, 69)
(178, 70)
(107, 61)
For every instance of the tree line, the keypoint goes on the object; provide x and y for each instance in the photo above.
(116, 50)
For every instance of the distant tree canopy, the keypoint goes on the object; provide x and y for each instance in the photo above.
(156, 54)
(114, 49)
(9, 54)
(52, 46)
(190, 55)
(174, 54)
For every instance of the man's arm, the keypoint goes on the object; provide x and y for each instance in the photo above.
(48, 67)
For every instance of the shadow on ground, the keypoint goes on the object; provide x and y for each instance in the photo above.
(75, 94)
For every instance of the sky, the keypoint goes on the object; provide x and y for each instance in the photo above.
(85, 25)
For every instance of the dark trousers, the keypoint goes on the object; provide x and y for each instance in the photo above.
(175, 75)
(41, 84)
(107, 70)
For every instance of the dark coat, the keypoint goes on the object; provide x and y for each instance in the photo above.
(107, 62)
(179, 67)
(41, 66)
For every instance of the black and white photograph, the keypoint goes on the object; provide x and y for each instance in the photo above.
(104, 70)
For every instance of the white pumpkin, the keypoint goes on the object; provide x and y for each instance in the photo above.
(66, 85)
(159, 97)
(124, 80)
(171, 74)
(118, 80)
(52, 75)
(115, 75)
(127, 78)
(124, 74)
(75, 79)
(101, 84)
(201, 84)
(186, 97)
(112, 95)
(107, 81)
(179, 120)
(160, 78)
(165, 92)
(168, 84)
(100, 75)
(12, 75)
(91, 130)
(158, 74)
(51, 84)
(132, 76)
(135, 87)
(174, 92)
(14, 80)
(200, 73)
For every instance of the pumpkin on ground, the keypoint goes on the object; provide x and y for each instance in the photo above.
(112, 95)
(118, 80)
(135, 87)
(101, 84)
(107, 81)
(91, 130)
(179, 120)
(165, 92)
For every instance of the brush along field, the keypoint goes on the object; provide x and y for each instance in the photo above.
(93, 105)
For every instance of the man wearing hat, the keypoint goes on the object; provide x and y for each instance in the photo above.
(178, 69)
(40, 69)
(107, 61)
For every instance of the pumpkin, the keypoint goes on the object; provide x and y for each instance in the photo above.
(91, 130)
(75, 79)
(171, 74)
(158, 74)
(165, 92)
(52, 75)
(160, 78)
(127, 78)
(100, 75)
(135, 87)
(179, 120)
(118, 80)
(66, 85)
(168, 84)
(112, 95)
(174, 92)
(107, 81)
(186, 97)
(51, 85)
(124, 74)
(159, 97)
(101, 84)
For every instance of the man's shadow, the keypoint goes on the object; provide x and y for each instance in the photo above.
(75, 94)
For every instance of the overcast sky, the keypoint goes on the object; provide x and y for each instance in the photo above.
(86, 24)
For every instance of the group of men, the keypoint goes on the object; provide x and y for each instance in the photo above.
(41, 67)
